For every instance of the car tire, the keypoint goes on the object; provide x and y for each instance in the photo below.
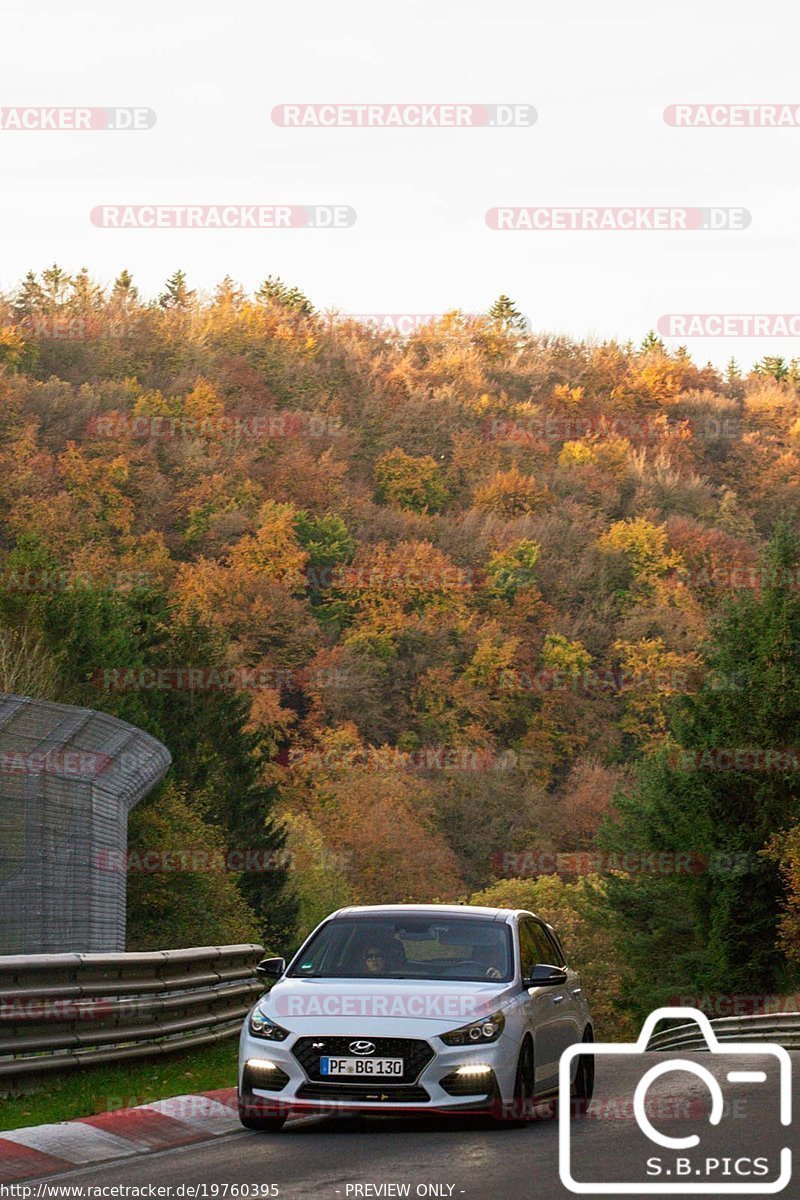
(520, 1112)
(252, 1120)
(583, 1087)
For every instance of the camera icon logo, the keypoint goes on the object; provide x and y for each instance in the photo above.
(687, 1167)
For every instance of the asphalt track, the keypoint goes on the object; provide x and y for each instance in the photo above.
(355, 1159)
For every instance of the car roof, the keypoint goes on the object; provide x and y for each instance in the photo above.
(432, 910)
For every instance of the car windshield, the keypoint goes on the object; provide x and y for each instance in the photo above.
(387, 947)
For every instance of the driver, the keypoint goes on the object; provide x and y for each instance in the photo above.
(492, 959)
(378, 956)
(374, 960)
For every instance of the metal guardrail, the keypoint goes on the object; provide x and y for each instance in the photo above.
(780, 1028)
(60, 1011)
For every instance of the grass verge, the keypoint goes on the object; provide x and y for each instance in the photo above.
(91, 1090)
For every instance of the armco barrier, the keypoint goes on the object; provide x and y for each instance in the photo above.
(782, 1029)
(60, 1011)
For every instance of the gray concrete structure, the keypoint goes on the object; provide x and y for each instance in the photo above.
(68, 779)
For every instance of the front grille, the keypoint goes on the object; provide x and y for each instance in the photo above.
(415, 1054)
(359, 1091)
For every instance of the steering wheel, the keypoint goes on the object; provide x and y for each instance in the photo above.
(493, 973)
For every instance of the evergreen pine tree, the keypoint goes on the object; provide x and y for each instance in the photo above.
(730, 782)
(507, 316)
(176, 293)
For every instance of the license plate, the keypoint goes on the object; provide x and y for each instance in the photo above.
(368, 1067)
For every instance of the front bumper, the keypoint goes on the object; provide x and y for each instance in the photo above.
(295, 1087)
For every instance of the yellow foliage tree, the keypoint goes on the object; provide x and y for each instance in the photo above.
(650, 676)
(645, 547)
(561, 654)
(510, 493)
(96, 486)
(273, 550)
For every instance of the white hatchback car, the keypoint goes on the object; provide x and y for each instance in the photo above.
(423, 1008)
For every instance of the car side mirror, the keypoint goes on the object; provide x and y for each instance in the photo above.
(271, 968)
(545, 975)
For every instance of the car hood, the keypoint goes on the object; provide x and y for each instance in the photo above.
(324, 1004)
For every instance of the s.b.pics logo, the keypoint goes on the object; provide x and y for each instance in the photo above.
(698, 1124)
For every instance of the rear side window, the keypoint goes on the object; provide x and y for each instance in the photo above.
(559, 960)
(544, 947)
(528, 949)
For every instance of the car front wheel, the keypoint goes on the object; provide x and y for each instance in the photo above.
(252, 1119)
(520, 1110)
(583, 1087)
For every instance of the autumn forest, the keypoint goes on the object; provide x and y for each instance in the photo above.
(471, 612)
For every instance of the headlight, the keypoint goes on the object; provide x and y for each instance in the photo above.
(260, 1026)
(478, 1033)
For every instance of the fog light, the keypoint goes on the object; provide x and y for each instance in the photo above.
(264, 1074)
(473, 1079)
(262, 1064)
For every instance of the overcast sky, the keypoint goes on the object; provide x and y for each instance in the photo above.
(599, 76)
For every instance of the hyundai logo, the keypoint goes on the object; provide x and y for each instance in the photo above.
(362, 1047)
